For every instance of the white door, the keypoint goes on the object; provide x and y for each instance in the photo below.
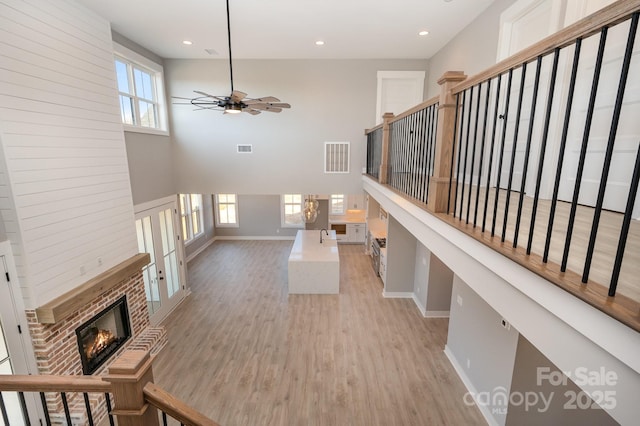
(12, 350)
(398, 91)
(523, 24)
(628, 133)
(163, 277)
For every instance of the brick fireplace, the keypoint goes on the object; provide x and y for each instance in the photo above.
(53, 331)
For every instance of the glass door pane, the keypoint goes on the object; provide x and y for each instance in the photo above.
(169, 252)
(11, 402)
(149, 272)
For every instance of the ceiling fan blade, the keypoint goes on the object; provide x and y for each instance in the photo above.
(237, 96)
(203, 94)
(251, 111)
(267, 99)
(280, 105)
(273, 109)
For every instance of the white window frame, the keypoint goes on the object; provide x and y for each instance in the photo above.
(283, 205)
(133, 59)
(333, 198)
(236, 224)
(186, 217)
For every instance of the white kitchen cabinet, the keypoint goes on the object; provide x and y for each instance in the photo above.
(356, 202)
(383, 265)
(356, 233)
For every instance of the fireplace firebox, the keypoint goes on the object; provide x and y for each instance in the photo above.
(103, 335)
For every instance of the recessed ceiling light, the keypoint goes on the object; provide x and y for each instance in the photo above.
(423, 33)
(319, 43)
(187, 42)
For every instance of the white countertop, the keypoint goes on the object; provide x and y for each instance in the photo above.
(307, 247)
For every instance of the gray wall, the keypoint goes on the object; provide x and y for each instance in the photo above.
(421, 274)
(150, 166)
(149, 155)
(526, 381)
(481, 346)
(259, 216)
(401, 257)
(472, 50)
(332, 100)
(439, 287)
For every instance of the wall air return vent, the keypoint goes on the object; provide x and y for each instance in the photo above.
(245, 149)
(336, 157)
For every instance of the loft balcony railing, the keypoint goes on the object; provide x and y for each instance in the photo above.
(128, 391)
(538, 157)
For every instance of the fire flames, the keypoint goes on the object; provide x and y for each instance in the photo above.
(102, 340)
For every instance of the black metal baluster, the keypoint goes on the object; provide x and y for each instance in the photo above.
(543, 146)
(561, 151)
(164, 418)
(473, 150)
(5, 417)
(583, 149)
(492, 146)
(453, 158)
(455, 198)
(23, 406)
(424, 158)
(107, 399)
(415, 159)
(484, 138)
(87, 405)
(626, 222)
(527, 150)
(426, 135)
(47, 419)
(513, 151)
(466, 151)
(505, 116)
(406, 156)
(392, 155)
(65, 405)
(615, 120)
(432, 146)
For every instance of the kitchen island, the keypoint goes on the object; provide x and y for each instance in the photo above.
(314, 267)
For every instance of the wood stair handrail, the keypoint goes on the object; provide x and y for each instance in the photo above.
(174, 407)
(47, 383)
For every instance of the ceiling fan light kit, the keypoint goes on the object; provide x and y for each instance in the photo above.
(238, 101)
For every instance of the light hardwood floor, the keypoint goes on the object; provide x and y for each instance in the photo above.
(245, 353)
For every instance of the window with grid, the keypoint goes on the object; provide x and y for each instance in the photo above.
(227, 210)
(191, 216)
(140, 91)
(336, 203)
(292, 211)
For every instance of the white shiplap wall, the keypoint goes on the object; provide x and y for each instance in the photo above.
(65, 194)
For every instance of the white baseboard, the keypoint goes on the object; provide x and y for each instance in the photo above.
(397, 294)
(429, 314)
(421, 308)
(200, 249)
(437, 314)
(486, 413)
(256, 238)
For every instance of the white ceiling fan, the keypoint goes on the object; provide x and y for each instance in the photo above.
(237, 101)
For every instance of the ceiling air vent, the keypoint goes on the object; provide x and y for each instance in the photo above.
(336, 157)
(245, 149)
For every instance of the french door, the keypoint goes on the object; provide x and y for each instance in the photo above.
(12, 345)
(163, 276)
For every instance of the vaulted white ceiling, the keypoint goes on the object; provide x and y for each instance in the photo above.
(288, 29)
